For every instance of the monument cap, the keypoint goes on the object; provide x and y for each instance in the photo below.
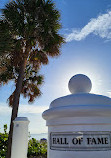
(21, 119)
(80, 103)
(80, 84)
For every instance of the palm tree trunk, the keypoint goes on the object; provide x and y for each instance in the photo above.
(15, 105)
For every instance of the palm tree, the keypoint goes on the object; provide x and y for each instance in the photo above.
(28, 36)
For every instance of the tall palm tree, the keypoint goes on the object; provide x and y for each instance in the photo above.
(28, 36)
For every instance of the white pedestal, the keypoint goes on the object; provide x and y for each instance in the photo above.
(90, 128)
(79, 125)
(20, 138)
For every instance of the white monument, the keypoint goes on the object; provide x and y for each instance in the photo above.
(79, 125)
(20, 138)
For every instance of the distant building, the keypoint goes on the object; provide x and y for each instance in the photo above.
(43, 140)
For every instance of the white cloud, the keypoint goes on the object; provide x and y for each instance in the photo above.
(34, 114)
(100, 26)
(109, 93)
(32, 109)
(29, 109)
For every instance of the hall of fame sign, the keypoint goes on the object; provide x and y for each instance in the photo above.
(80, 141)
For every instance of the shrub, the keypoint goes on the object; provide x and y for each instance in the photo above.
(3, 142)
(37, 149)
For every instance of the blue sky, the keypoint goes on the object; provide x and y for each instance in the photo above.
(86, 25)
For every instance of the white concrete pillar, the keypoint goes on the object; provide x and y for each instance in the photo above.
(20, 138)
(75, 119)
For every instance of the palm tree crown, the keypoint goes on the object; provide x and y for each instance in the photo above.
(30, 33)
(28, 36)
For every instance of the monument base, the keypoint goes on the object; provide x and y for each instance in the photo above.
(82, 140)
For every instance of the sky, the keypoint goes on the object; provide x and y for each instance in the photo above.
(86, 27)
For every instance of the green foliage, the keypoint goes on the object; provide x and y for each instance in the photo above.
(36, 149)
(3, 142)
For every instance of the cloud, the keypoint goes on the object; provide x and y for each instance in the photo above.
(100, 26)
(29, 109)
(109, 93)
(4, 109)
(32, 109)
(37, 123)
